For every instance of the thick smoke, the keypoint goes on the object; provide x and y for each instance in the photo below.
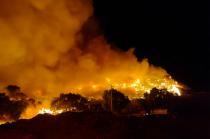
(37, 42)
(48, 47)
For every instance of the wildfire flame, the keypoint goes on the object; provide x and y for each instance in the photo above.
(48, 47)
(175, 90)
(49, 111)
(132, 87)
(45, 111)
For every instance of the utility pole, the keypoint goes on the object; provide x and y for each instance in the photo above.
(111, 101)
(111, 107)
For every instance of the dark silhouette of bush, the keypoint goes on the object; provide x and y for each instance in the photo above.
(157, 98)
(14, 92)
(70, 102)
(11, 109)
(95, 105)
(114, 101)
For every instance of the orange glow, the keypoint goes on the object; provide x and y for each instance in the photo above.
(45, 111)
(44, 53)
(44, 50)
(49, 111)
(133, 87)
(175, 90)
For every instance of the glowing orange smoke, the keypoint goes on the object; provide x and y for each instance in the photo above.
(43, 49)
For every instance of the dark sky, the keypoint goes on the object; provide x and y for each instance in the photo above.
(172, 34)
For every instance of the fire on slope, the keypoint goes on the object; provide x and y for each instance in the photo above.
(48, 47)
(27, 108)
(49, 111)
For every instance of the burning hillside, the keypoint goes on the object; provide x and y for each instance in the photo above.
(48, 47)
(44, 50)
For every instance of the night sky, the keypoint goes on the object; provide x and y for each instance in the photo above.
(171, 34)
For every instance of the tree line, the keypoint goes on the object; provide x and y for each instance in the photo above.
(14, 102)
(116, 102)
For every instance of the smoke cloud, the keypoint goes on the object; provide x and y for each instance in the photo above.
(50, 46)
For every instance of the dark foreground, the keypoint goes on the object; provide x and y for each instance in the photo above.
(191, 122)
(106, 126)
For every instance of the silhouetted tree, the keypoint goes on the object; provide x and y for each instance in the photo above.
(114, 100)
(13, 88)
(4, 104)
(17, 107)
(70, 102)
(157, 98)
(13, 102)
(95, 105)
(134, 106)
(10, 109)
(14, 92)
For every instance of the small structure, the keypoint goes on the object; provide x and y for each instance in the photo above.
(159, 112)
